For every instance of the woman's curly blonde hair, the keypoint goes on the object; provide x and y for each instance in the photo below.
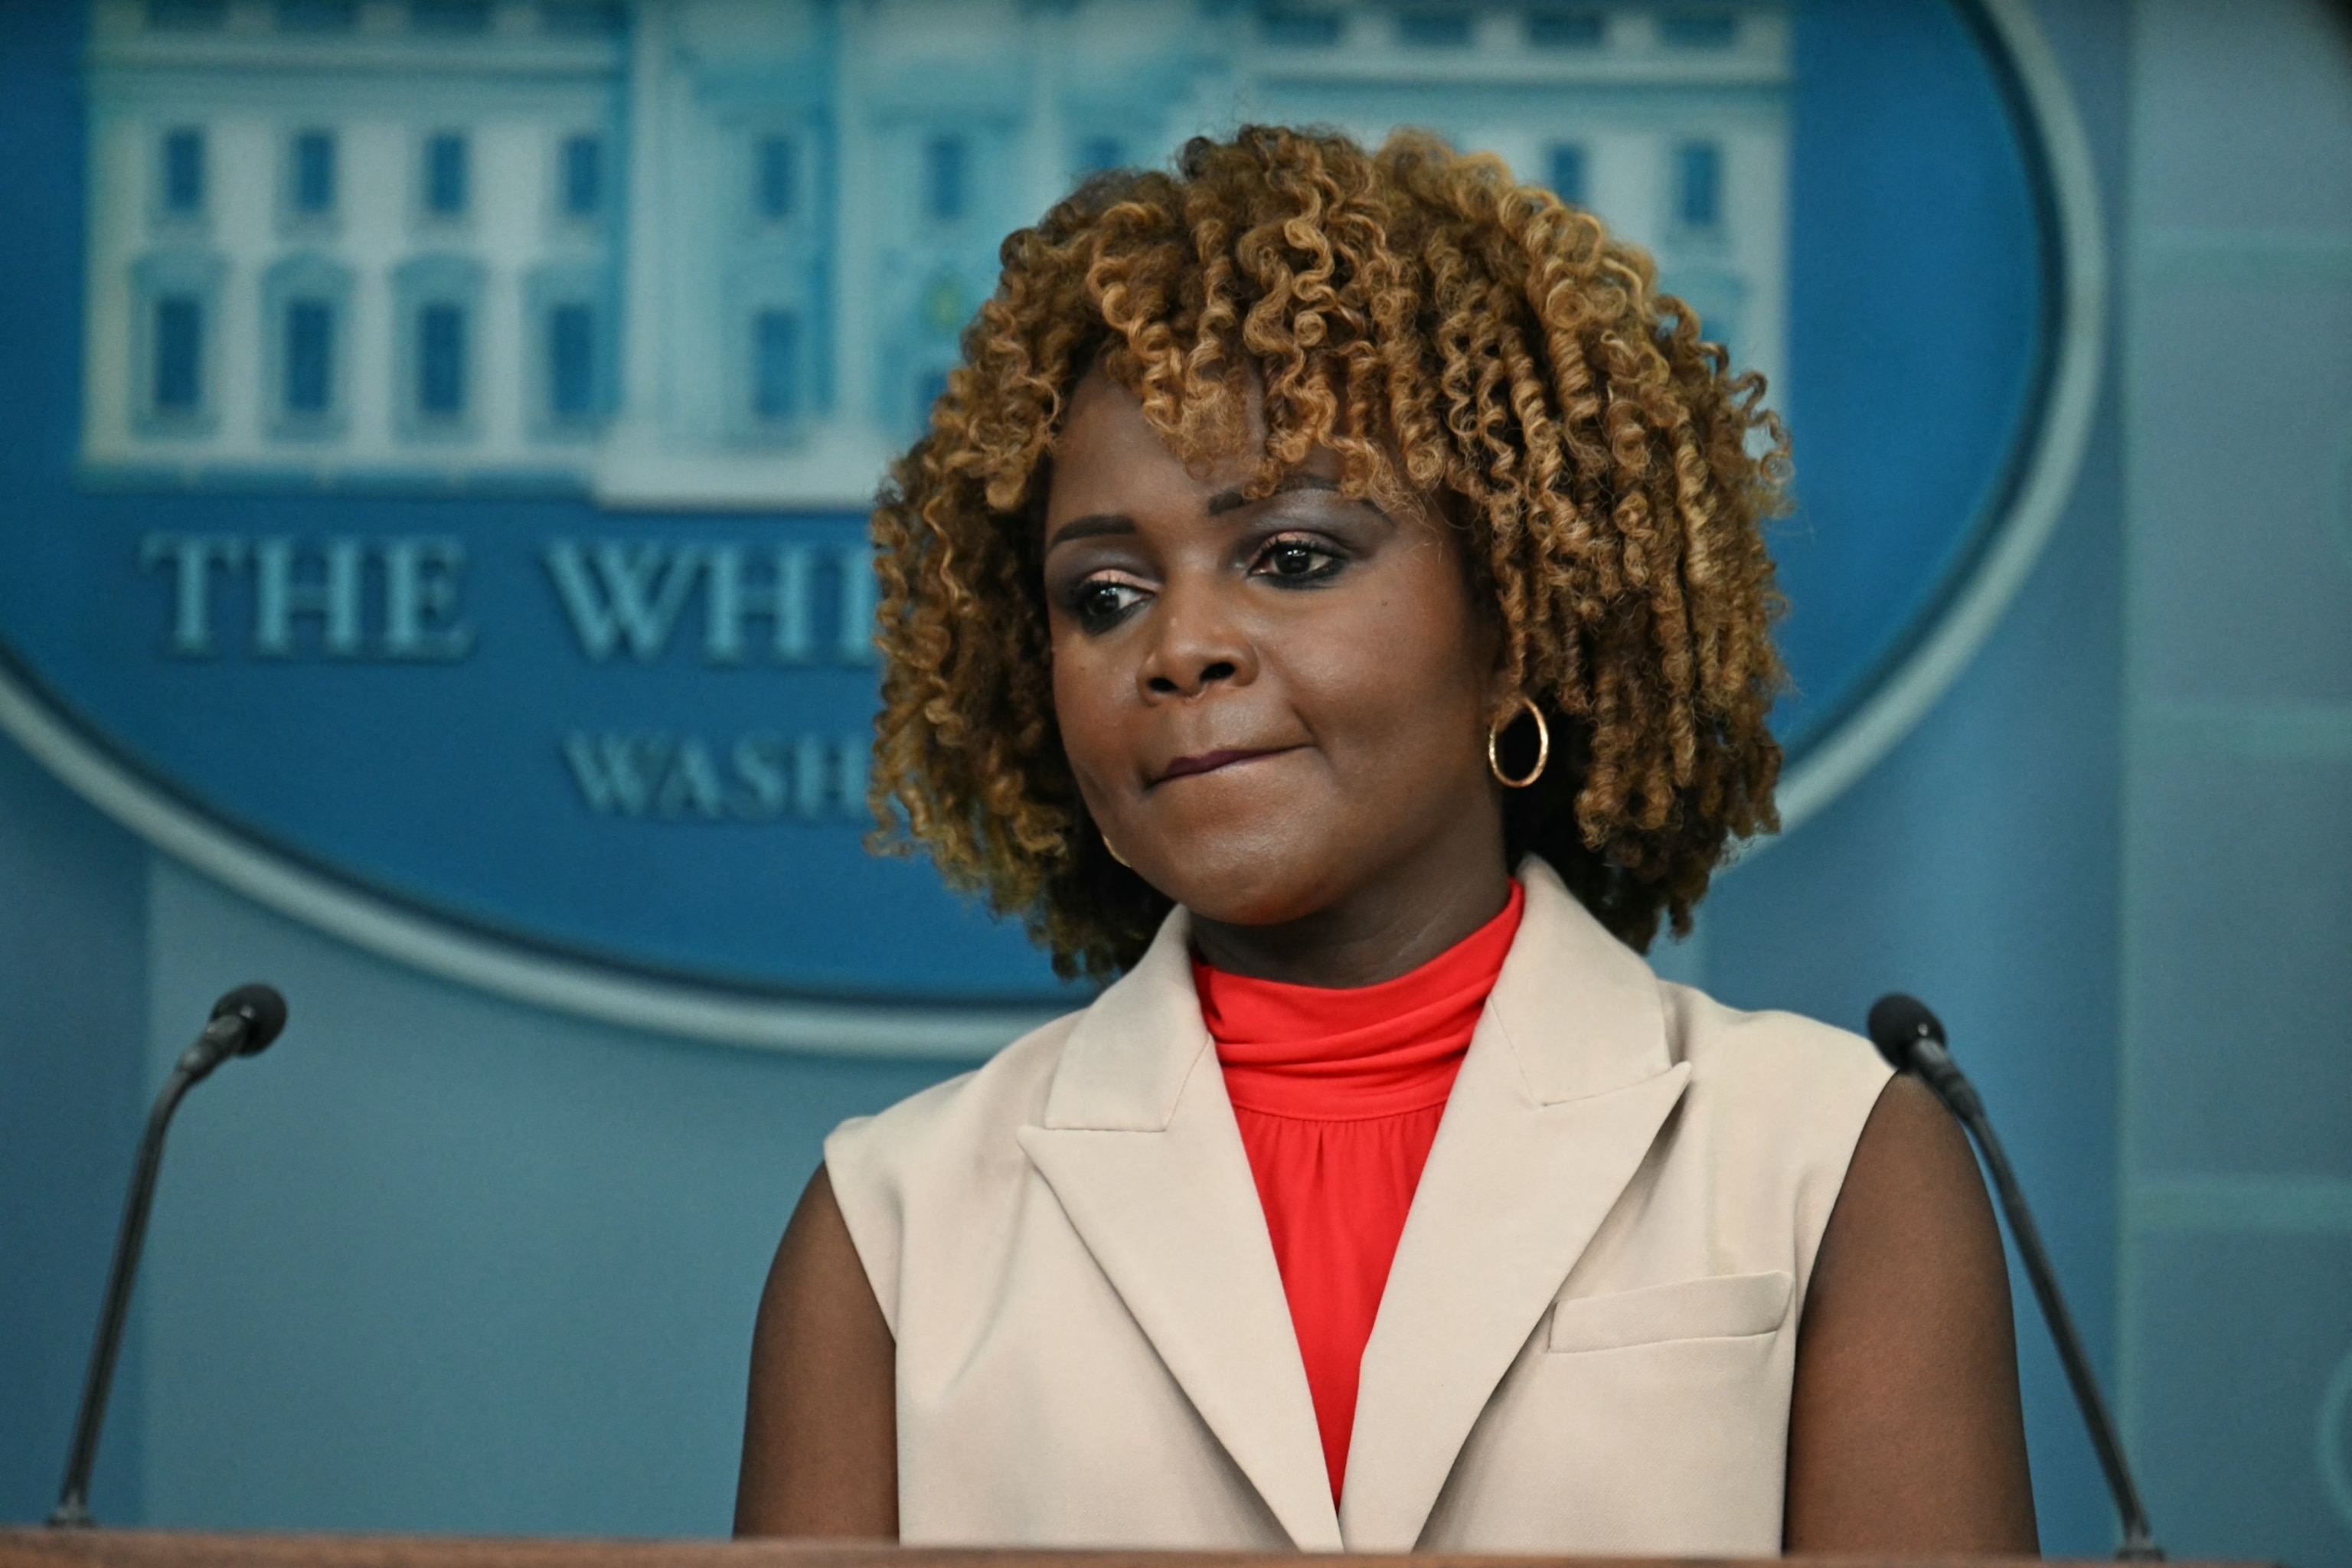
(1447, 332)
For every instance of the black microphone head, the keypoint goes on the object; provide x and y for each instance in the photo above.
(263, 1010)
(1897, 1023)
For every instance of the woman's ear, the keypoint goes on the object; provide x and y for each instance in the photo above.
(1504, 685)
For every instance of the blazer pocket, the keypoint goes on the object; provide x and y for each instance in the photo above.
(1721, 1307)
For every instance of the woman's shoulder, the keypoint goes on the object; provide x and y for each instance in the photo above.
(1776, 1106)
(1589, 1012)
(954, 1137)
(1783, 1056)
(1776, 1089)
(1012, 1083)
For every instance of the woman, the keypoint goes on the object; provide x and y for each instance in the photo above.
(1331, 599)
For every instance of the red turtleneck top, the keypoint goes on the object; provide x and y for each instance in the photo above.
(1338, 1094)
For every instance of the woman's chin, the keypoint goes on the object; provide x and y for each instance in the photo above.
(1248, 886)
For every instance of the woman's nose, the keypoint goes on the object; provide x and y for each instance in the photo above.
(1197, 645)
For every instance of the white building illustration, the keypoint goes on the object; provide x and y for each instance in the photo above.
(716, 253)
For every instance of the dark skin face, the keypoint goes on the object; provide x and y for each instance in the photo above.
(1275, 709)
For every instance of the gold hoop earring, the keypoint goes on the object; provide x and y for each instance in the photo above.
(1111, 849)
(1543, 743)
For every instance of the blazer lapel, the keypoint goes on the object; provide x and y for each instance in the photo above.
(1140, 1148)
(1566, 1085)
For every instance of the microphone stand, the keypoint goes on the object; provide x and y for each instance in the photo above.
(243, 1022)
(73, 1497)
(2138, 1543)
(1914, 1040)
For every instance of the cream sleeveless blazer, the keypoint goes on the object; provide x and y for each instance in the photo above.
(1587, 1337)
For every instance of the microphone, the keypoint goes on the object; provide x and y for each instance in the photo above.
(1912, 1040)
(242, 1023)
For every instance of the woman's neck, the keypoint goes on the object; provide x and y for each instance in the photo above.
(1391, 926)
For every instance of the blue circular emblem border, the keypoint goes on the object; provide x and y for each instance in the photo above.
(2012, 531)
(2039, 476)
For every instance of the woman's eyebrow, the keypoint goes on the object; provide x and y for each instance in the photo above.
(1094, 525)
(1227, 500)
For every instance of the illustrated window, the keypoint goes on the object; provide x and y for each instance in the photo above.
(186, 15)
(1698, 187)
(570, 353)
(946, 175)
(177, 308)
(439, 307)
(179, 185)
(775, 178)
(1698, 29)
(457, 16)
(318, 16)
(306, 300)
(1567, 172)
(1562, 27)
(1098, 153)
(776, 365)
(580, 171)
(1432, 27)
(312, 176)
(1299, 27)
(447, 175)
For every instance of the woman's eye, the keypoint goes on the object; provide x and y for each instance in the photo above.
(1097, 601)
(1296, 561)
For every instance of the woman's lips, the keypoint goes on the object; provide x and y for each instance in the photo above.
(1210, 762)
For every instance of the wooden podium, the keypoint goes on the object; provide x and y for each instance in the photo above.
(35, 1548)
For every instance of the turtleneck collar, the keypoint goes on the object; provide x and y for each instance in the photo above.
(1344, 1055)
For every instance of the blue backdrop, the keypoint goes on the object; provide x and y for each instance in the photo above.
(508, 694)
(443, 1262)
